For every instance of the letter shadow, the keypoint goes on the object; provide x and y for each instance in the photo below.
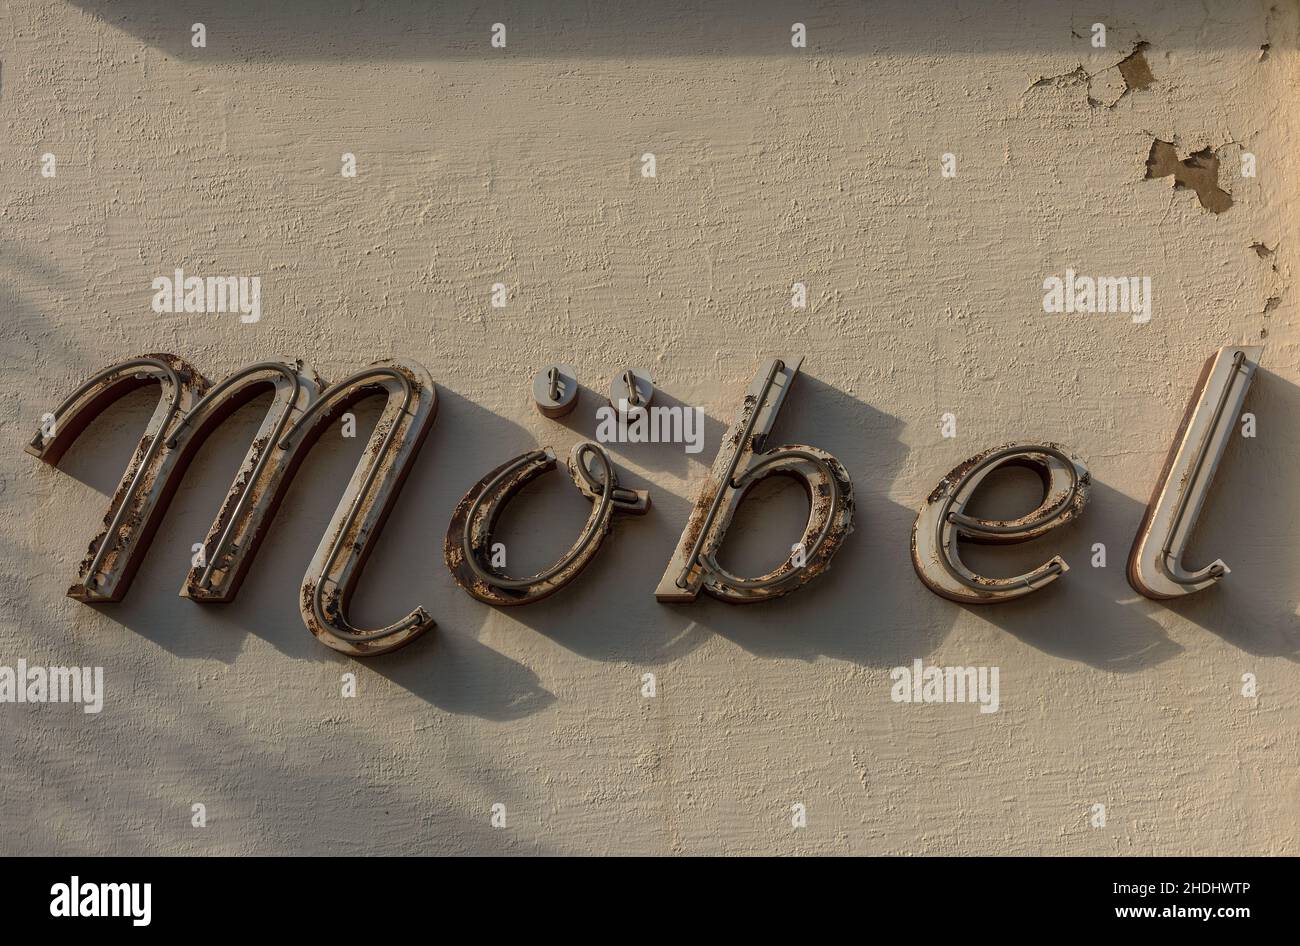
(405, 569)
(1089, 614)
(863, 609)
(1251, 520)
(152, 606)
(448, 666)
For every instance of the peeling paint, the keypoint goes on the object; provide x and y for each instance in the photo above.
(1135, 70)
(1134, 74)
(1199, 172)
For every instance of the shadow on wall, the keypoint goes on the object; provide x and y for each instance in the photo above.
(264, 801)
(1093, 615)
(398, 574)
(1251, 520)
(332, 30)
(863, 610)
(1090, 614)
(868, 609)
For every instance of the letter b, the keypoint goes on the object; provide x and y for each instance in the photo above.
(738, 467)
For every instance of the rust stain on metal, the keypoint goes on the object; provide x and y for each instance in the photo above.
(738, 466)
(469, 535)
(942, 521)
(189, 409)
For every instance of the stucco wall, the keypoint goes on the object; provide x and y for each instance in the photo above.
(774, 164)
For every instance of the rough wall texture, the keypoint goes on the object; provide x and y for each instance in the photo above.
(774, 164)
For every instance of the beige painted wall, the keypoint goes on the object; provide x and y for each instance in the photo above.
(774, 165)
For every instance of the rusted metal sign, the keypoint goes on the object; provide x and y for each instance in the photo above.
(410, 405)
(189, 409)
(302, 406)
(1155, 566)
(943, 520)
(741, 463)
(469, 537)
(151, 475)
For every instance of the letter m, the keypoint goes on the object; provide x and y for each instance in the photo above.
(188, 410)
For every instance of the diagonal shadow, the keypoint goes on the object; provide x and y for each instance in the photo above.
(332, 30)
